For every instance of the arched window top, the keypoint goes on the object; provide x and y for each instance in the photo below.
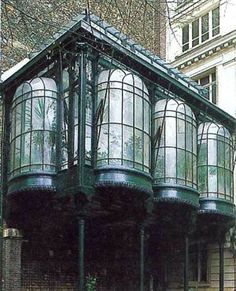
(36, 85)
(174, 105)
(119, 78)
(214, 129)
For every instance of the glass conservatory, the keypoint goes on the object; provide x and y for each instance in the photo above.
(215, 168)
(123, 130)
(33, 133)
(175, 151)
(110, 131)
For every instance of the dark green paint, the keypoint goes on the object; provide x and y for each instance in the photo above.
(176, 193)
(81, 254)
(186, 264)
(126, 178)
(32, 182)
(218, 206)
(142, 238)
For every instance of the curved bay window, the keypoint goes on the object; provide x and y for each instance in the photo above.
(123, 121)
(215, 162)
(175, 144)
(33, 129)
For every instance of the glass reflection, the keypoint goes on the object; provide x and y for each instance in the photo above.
(175, 143)
(34, 126)
(215, 172)
(123, 128)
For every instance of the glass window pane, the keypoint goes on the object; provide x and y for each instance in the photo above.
(115, 140)
(128, 108)
(146, 150)
(102, 152)
(138, 112)
(205, 27)
(185, 38)
(181, 133)
(171, 162)
(50, 114)
(38, 108)
(204, 81)
(88, 138)
(17, 123)
(195, 32)
(37, 147)
(189, 137)
(221, 181)
(146, 116)
(202, 153)
(212, 179)
(49, 153)
(189, 166)
(181, 164)
(128, 147)
(221, 153)
(115, 105)
(17, 157)
(212, 152)
(202, 179)
(170, 131)
(215, 21)
(160, 164)
(138, 146)
(26, 115)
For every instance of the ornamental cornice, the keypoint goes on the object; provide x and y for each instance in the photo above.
(208, 49)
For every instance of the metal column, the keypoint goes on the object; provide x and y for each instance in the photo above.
(142, 237)
(81, 223)
(186, 263)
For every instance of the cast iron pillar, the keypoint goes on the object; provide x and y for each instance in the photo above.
(142, 238)
(221, 255)
(81, 225)
(12, 241)
(186, 263)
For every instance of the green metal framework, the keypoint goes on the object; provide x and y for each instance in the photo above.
(215, 166)
(33, 130)
(103, 138)
(123, 126)
(175, 143)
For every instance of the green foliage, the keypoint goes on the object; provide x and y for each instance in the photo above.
(91, 283)
(27, 24)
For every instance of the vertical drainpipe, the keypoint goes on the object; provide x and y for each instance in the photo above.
(81, 224)
(186, 262)
(142, 237)
(81, 156)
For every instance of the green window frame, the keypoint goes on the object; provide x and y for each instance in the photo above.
(33, 127)
(215, 162)
(175, 143)
(123, 125)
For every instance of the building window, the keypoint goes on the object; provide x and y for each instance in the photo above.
(208, 81)
(215, 21)
(198, 267)
(201, 29)
(185, 37)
